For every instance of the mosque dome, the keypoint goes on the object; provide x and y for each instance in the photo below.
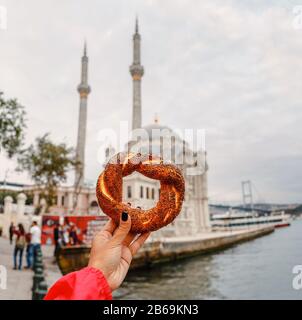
(160, 140)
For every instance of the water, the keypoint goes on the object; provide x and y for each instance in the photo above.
(258, 269)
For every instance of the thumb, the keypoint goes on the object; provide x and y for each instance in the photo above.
(123, 229)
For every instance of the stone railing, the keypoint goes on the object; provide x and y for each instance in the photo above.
(16, 213)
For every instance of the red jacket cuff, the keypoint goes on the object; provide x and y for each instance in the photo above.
(86, 284)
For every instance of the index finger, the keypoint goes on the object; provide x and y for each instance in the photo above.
(136, 245)
(110, 226)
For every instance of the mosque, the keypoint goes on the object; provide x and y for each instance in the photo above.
(139, 190)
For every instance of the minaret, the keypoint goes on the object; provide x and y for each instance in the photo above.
(137, 71)
(84, 90)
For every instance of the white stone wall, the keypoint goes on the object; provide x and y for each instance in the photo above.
(16, 213)
(135, 181)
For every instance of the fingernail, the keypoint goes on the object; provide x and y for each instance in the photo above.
(124, 216)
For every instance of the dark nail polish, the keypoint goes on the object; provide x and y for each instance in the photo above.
(124, 216)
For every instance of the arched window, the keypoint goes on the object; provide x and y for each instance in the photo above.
(147, 193)
(129, 194)
(153, 193)
(94, 204)
(142, 191)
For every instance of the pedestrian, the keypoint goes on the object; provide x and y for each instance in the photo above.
(73, 235)
(35, 232)
(11, 232)
(56, 238)
(19, 246)
(29, 251)
(61, 235)
(66, 239)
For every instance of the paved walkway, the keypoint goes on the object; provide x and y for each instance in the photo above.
(52, 271)
(19, 283)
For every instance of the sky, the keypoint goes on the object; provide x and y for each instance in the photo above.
(232, 68)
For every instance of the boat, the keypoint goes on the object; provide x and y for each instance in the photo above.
(285, 219)
(236, 220)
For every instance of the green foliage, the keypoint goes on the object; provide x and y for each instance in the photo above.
(48, 164)
(297, 210)
(12, 126)
(4, 193)
(29, 198)
(14, 194)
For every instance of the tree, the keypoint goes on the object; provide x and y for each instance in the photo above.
(14, 194)
(48, 164)
(12, 126)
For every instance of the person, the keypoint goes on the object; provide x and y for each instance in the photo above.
(19, 246)
(73, 235)
(11, 232)
(65, 237)
(112, 251)
(61, 235)
(29, 251)
(35, 232)
(56, 238)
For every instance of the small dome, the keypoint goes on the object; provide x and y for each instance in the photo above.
(156, 127)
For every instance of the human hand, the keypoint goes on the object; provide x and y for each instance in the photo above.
(113, 249)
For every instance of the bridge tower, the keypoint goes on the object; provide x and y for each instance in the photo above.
(247, 194)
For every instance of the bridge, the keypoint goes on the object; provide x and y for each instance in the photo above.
(296, 210)
(241, 208)
(262, 207)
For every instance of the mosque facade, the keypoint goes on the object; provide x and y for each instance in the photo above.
(139, 190)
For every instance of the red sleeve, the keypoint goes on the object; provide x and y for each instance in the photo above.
(86, 284)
